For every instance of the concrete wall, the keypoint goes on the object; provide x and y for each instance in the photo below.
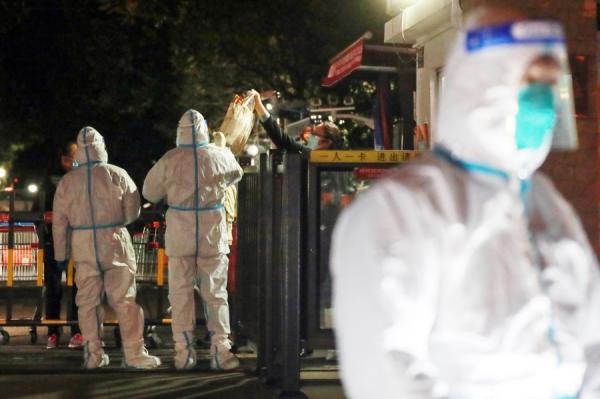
(434, 56)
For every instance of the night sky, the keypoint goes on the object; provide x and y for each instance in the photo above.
(131, 68)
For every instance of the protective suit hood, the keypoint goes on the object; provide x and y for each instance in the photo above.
(90, 146)
(185, 133)
(480, 96)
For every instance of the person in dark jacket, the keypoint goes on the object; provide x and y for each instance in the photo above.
(52, 273)
(325, 135)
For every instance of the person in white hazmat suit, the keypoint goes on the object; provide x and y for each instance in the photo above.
(92, 205)
(193, 178)
(465, 274)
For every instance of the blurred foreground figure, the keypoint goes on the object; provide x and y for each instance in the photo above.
(193, 178)
(92, 205)
(466, 275)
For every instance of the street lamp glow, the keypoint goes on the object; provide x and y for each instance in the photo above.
(269, 107)
(252, 150)
(2, 173)
(32, 188)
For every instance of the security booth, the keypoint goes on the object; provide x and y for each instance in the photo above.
(429, 27)
(335, 179)
(389, 72)
(288, 206)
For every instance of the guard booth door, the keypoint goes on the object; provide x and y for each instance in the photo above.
(335, 179)
(287, 212)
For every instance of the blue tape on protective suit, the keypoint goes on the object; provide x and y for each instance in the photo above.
(195, 145)
(93, 227)
(196, 188)
(98, 226)
(208, 208)
(488, 170)
(524, 193)
(469, 166)
(520, 32)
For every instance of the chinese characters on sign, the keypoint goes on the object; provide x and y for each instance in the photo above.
(390, 156)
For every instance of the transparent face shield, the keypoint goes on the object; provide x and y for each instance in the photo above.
(564, 136)
(550, 87)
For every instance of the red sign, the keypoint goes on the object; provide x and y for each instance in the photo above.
(368, 173)
(344, 63)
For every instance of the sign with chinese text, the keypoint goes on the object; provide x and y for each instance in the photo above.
(368, 156)
(344, 63)
(366, 173)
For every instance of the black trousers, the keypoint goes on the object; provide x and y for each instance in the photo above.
(54, 291)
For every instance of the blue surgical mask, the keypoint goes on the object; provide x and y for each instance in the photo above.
(313, 142)
(536, 117)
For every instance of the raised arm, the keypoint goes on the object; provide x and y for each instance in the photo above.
(281, 140)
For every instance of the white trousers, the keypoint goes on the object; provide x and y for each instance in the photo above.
(118, 282)
(211, 274)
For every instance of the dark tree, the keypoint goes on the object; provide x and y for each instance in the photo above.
(131, 68)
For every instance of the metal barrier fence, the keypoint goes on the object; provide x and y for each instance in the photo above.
(287, 212)
(22, 266)
(270, 252)
(244, 307)
(23, 261)
(149, 253)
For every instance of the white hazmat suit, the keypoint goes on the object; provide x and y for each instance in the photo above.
(92, 205)
(465, 274)
(193, 178)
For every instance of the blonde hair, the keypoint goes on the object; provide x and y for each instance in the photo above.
(332, 132)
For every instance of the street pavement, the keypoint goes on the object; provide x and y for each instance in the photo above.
(31, 371)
